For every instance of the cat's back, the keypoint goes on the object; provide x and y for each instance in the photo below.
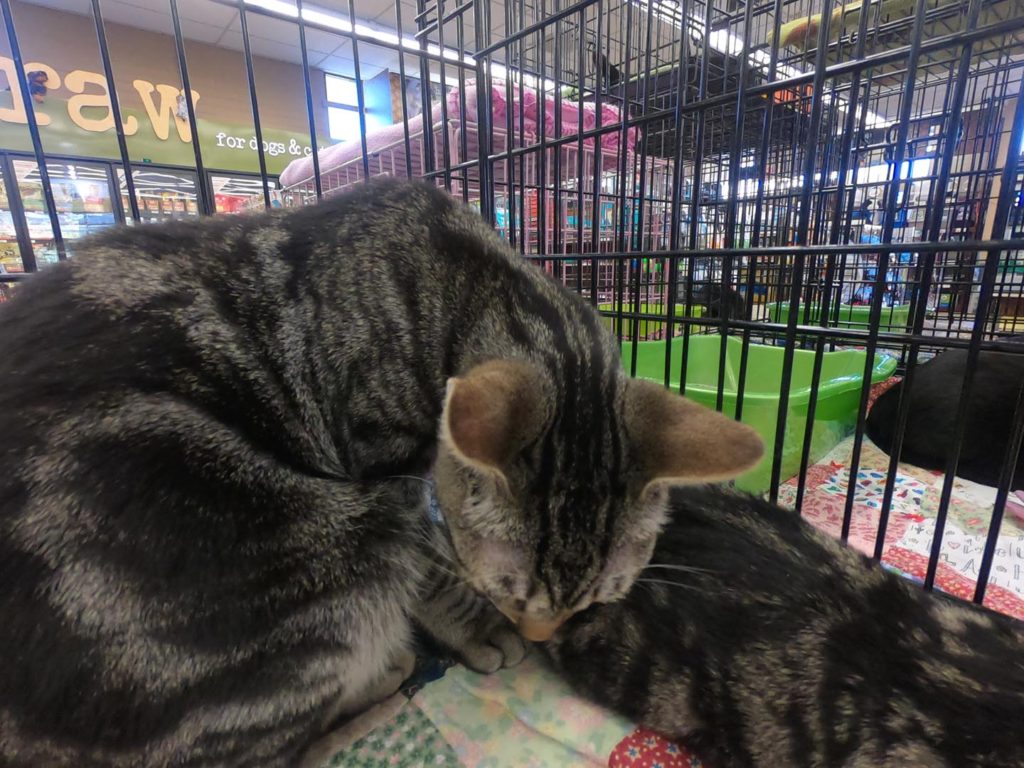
(112, 320)
(133, 303)
(751, 631)
(134, 268)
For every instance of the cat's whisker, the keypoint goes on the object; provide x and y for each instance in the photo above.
(432, 541)
(680, 568)
(423, 480)
(445, 591)
(668, 583)
(447, 571)
(443, 555)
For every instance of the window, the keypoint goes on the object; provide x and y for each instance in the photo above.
(342, 108)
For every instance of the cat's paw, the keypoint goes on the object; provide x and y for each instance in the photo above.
(494, 644)
(472, 627)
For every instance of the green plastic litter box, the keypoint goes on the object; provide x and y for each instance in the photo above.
(850, 315)
(647, 327)
(838, 393)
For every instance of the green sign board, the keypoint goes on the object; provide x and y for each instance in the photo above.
(224, 147)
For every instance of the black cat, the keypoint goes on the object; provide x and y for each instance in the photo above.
(934, 399)
(718, 302)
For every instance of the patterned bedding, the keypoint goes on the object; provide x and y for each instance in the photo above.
(518, 718)
(912, 523)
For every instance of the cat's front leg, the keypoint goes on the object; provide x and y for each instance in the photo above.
(319, 753)
(467, 623)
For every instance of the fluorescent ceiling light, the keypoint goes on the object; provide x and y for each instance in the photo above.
(325, 18)
(720, 40)
(277, 6)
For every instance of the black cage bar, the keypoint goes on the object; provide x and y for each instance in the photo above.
(749, 192)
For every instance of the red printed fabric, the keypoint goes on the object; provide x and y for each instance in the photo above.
(644, 749)
(881, 388)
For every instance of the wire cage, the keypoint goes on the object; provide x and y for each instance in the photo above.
(776, 206)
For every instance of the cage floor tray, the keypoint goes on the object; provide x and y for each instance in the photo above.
(648, 328)
(894, 318)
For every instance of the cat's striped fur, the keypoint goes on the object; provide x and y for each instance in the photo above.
(211, 531)
(762, 643)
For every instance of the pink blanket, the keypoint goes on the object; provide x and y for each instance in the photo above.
(609, 116)
(333, 157)
(393, 136)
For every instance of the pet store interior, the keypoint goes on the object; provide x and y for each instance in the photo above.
(783, 209)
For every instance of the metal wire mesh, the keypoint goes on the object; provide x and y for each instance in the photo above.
(805, 175)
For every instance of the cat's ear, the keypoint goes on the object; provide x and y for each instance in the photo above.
(677, 441)
(493, 412)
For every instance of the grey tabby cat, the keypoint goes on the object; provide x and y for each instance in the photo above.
(213, 541)
(762, 643)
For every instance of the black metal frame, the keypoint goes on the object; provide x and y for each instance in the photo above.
(28, 256)
(33, 127)
(748, 169)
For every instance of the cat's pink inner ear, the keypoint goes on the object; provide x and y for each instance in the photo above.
(678, 441)
(492, 412)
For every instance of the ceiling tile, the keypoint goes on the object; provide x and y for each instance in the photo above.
(158, 6)
(338, 7)
(205, 11)
(372, 57)
(337, 65)
(344, 49)
(230, 39)
(269, 28)
(199, 32)
(274, 49)
(269, 49)
(386, 19)
(205, 21)
(322, 42)
(129, 15)
(81, 7)
(369, 9)
(315, 60)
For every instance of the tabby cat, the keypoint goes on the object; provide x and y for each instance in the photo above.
(763, 643)
(213, 535)
(934, 401)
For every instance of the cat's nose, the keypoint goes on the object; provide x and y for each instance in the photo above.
(539, 630)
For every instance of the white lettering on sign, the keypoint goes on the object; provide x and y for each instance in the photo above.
(162, 115)
(76, 82)
(271, 148)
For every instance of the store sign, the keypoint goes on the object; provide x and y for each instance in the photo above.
(270, 148)
(83, 125)
(159, 101)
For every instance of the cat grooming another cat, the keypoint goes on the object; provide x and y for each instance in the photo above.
(214, 537)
